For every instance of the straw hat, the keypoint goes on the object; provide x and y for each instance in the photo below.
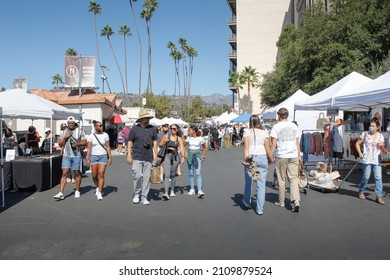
(339, 122)
(144, 114)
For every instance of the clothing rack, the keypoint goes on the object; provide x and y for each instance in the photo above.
(312, 163)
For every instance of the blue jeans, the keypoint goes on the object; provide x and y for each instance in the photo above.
(262, 166)
(377, 176)
(197, 173)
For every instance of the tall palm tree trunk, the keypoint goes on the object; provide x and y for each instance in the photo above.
(127, 85)
(117, 65)
(149, 85)
(177, 65)
(140, 51)
(98, 53)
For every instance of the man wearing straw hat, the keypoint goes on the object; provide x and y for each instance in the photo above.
(141, 153)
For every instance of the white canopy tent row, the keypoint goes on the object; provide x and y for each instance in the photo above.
(375, 93)
(325, 99)
(306, 119)
(17, 103)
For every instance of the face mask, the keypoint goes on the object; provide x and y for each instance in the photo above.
(372, 130)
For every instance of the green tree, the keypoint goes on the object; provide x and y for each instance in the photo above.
(351, 36)
(148, 9)
(140, 50)
(125, 31)
(196, 111)
(107, 32)
(2, 89)
(97, 10)
(57, 79)
(71, 52)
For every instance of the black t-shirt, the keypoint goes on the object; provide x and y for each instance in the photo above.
(205, 131)
(142, 138)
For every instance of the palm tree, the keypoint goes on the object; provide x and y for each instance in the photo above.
(71, 52)
(125, 31)
(96, 10)
(251, 77)
(236, 81)
(176, 55)
(107, 31)
(57, 79)
(184, 46)
(149, 7)
(140, 50)
(191, 52)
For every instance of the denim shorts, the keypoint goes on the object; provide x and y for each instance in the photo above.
(73, 163)
(100, 159)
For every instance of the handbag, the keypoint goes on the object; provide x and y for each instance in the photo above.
(321, 120)
(155, 175)
(162, 152)
(384, 156)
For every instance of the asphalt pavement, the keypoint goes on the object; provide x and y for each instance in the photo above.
(330, 226)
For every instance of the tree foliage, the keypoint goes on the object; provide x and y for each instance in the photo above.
(350, 36)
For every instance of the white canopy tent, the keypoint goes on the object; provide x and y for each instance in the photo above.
(17, 103)
(306, 120)
(226, 118)
(325, 98)
(298, 96)
(373, 94)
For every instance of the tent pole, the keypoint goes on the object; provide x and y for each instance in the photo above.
(2, 158)
(51, 153)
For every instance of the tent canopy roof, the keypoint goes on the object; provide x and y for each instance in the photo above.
(325, 98)
(299, 95)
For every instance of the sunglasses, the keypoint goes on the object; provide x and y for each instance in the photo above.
(100, 125)
(173, 128)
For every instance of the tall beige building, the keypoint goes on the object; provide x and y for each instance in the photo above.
(256, 26)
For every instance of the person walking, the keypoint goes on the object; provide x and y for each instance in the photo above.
(172, 159)
(194, 159)
(256, 148)
(373, 142)
(70, 142)
(163, 132)
(141, 152)
(120, 140)
(98, 156)
(285, 144)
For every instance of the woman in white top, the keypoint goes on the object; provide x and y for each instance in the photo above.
(98, 156)
(373, 142)
(256, 145)
(194, 159)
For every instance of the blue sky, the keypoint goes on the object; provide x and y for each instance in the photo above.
(35, 35)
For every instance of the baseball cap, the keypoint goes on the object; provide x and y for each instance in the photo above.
(47, 129)
(70, 119)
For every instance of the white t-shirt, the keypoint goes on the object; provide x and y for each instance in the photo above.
(195, 142)
(96, 148)
(256, 138)
(286, 134)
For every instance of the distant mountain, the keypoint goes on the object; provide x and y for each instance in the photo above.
(213, 99)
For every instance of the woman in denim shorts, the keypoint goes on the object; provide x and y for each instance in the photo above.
(98, 156)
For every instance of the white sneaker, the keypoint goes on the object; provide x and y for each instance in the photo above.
(136, 199)
(173, 193)
(88, 171)
(76, 194)
(165, 196)
(59, 196)
(296, 207)
(200, 194)
(145, 201)
(99, 196)
(191, 192)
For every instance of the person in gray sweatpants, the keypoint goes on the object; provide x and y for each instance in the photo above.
(141, 153)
